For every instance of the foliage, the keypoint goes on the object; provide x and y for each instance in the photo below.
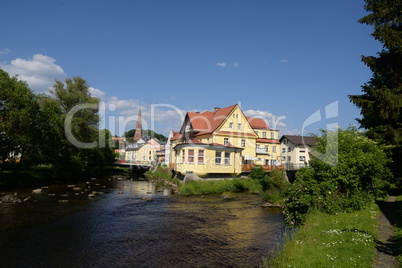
(145, 133)
(161, 175)
(33, 128)
(18, 119)
(381, 101)
(360, 175)
(259, 174)
(342, 240)
(219, 186)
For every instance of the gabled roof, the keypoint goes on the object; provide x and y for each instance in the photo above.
(208, 122)
(300, 140)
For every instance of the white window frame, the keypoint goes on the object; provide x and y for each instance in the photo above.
(201, 157)
(227, 159)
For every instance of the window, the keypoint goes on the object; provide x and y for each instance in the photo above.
(283, 150)
(150, 152)
(227, 158)
(230, 125)
(239, 126)
(226, 141)
(243, 143)
(289, 158)
(289, 149)
(149, 158)
(266, 162)
(258, 146)
(264, 135)
(302, 150)
(266, 148)
(183, 155)
(272, 135)
(302, 158)
(218, 158)
(190, 156)
(200, 156)
(274, 149)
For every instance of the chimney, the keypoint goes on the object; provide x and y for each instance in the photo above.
(216, 109)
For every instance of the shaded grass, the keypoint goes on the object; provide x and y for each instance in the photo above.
(343, 240)
(219, 186)
(27, 177)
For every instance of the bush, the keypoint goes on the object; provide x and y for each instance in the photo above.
(259, 174)
(350, 173)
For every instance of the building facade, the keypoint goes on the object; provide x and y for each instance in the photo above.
(296, 151)
(224, 141)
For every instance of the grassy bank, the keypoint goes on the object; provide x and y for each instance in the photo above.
(44, 175)
(220, 186)
(343, 240)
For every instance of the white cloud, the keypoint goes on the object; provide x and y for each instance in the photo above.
(97, 93)
(40, 72)
(122, 115)
(284, 60)
(5, 51)
(273, 121)
(221, 64)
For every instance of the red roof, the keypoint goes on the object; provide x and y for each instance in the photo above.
(257, 123)
(208, 122)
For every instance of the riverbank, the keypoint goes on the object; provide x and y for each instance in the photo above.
(371, 237)
(44, 175)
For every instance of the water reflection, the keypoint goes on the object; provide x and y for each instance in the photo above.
(121, 229)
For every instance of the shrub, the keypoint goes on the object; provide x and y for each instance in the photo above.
(351, 171)
(259, 174)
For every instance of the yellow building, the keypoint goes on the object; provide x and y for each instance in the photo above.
(143, 152)
(224, 141)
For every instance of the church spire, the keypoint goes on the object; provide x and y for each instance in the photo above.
(138, 130)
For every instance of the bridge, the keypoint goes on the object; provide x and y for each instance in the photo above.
(135, 166)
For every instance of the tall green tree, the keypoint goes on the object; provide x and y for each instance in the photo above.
(19, 111)
(72, 111)
(381, 102)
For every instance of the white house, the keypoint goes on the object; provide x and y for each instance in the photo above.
(296, 150)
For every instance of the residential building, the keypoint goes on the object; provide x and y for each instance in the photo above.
(296, 150)
(224, 141)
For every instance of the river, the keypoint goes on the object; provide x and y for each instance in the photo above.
(131, 224)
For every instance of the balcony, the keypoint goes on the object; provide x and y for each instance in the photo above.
(267, 168)
(261, 151)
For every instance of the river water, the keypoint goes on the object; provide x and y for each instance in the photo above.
(131, 224)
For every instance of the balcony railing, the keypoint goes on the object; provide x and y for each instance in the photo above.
(249, 167)
(261, 151)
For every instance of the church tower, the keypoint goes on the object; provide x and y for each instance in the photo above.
(138, 130)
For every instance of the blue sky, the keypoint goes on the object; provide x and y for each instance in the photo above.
(284, 61)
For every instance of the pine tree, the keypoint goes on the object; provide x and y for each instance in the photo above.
(381, 102)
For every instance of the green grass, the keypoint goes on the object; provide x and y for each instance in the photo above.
(343, 240)
(219, 186)
(26, 177)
